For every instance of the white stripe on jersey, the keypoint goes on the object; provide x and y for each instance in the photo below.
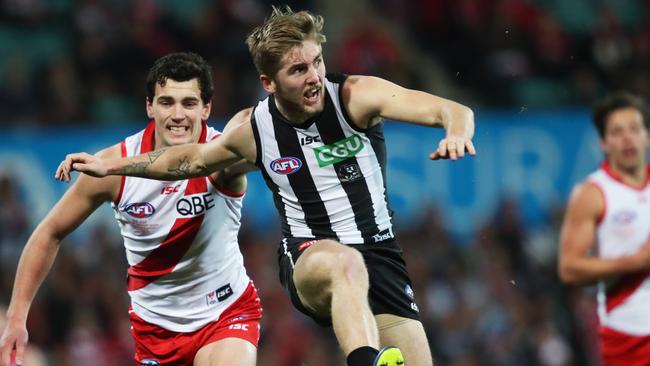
(370, 167)
(294, 214)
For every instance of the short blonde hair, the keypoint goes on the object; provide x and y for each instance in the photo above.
(279, 33)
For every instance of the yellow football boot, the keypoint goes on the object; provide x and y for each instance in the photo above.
(389, 356)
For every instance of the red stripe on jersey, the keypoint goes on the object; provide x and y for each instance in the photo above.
(163, 260)
(148, 138)
(123, 180)
(625, 287)
(196, 185)
(204, 132)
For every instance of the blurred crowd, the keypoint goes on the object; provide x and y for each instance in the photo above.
(84, 61)
(494, 300)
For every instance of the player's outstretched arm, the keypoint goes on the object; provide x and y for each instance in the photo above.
(368, 99)
(171, 163)
(575, 264)
(83, 197)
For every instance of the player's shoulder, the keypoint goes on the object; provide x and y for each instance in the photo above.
(241, 117)
(114, 151)
(588, 196)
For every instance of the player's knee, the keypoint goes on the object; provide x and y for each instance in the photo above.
(349, 269)
(331, 263)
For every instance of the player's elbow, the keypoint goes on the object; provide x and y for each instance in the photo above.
(566, 273)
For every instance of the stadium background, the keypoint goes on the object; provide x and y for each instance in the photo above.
(480, 235)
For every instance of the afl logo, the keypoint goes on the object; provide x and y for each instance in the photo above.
(624, 217)
(286, 165)
(140, 210)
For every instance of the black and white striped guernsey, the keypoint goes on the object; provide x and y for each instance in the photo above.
(328, 177)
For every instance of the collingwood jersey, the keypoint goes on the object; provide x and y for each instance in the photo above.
(623, 228)
(328, 177)
(185, 267)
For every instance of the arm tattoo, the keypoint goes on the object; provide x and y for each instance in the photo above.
(140, 168)
(154, 155)
(183, 168)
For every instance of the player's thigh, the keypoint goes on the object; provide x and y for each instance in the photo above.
(318, 268)
(227, 351)
(408, 335)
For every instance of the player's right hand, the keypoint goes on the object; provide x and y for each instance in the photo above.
(81, 162)
(13, 337)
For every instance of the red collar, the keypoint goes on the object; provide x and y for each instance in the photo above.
(617, 177)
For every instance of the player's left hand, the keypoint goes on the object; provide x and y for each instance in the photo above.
(81, 162)
(453, 147)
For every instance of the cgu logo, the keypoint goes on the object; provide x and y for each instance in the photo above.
(140, 210)
(338, 151)
(286, 166)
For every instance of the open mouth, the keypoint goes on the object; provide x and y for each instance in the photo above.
(629, 152)
(312, 95)
(178, 130)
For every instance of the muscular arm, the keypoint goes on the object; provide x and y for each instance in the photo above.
(233, 178)
(577, 238)
(371, 99)
(176, 162)
(83, 198)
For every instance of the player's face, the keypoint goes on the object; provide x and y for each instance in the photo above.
(299, 84)
(626, 138)
(178, 111)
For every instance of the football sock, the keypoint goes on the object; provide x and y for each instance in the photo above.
(362, 356)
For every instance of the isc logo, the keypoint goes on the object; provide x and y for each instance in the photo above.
(140, 210)
(286, 165)
(243, 327)
(166, 190)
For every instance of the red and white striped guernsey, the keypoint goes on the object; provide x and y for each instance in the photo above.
(185, 266)
(623, 228)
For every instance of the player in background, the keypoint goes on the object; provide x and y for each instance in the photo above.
(192, 302)
(605, 235)
(318, 141)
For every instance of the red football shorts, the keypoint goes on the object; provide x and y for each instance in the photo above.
(620, 349)
(158, 346)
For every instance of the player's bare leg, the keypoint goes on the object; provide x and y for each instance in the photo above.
(331, 278)
(408, 335)
(228, 351)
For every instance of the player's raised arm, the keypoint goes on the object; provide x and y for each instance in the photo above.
(172, 163)
(368, 99)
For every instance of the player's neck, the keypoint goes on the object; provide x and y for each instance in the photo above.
(636, 176)
(294, 116)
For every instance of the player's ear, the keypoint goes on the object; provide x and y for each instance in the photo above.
(149, 108)
(267, 83)
(205, 113)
